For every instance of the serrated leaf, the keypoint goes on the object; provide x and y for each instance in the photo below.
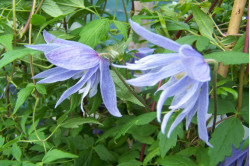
(22, 95)
(51, 8)
(122, 28)
(16, 152)
(176, 160)
(12, 55)
(229, 57)
(122, 91)
(175, 26)
(56, 154)
(76, 122)
(104, 153)
(204, 22)
(187, 39)
(6, 41)
(37, 19)
(230, 132)
(8, 144)
(41, 89)
(94, 31)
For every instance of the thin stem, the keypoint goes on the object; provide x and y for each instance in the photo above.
(125, 11)
(142, 152)
(215, 63)
(14, 21)
(105, 3)
(242, 67)
(91, 1)
(33, 119)
(123, 81)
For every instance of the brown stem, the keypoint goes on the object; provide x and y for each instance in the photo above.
(142, 152)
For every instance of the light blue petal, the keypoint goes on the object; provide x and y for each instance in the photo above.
(191, 91)
(170, 82)
(155, 38)
(46, 48)
(72, 58)
(190, 115)
(78, 85)
(49, 38)
(165, 121)
(95, 83)
(181, 116)
(108, 89)
(151, 78)
(177, 87)
(194, 64)
(202, 112)
(145, 50)
(50, 72)
(59, 77)
(85, 92)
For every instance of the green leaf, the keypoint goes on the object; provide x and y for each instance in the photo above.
(231, 91)
(229, 57)
(104, 153)
(1, 141)
(245, 144)
(37, 19)
(151, 155)
(41, 89)
(176, 160)
(245, 113)
(6, 41)
(239, 46)
(23, 121)
(56, 154)
(8, 144)
(16, 152)
(175, 26)
(202, 157)
(22, 95)
(230, 132)
(204, 22)
(51, 8)
(76, 122)
(12, 55)
(224, 106)
(187, 39)
(97, 101)
(229, 40)
(202, 43)
(94, 31)
(130, 163)
(122, 91)
(122, 28)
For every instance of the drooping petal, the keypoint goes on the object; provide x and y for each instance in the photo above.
(202, 112)
(72, 58)
(95, 83)
(85, 92)
(177, 87)
(151, 61)
(78, 85)
(194, 64)
(108, 89)
(50, 72)
(165, 121)
(181, 116)
(170, 82)
(155, 38)
(46, 48)
(152, 78)
(59, 77)
(145, 50)
(49, 38)
(190, 115)
(191, 91)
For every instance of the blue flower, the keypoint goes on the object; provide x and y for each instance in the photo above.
(76, 60)
(188, 83)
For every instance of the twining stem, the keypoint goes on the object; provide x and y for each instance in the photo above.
(123, 81)
(215, 63)
(105, 3)
(115, 9)
(242, 67)
(125, 11)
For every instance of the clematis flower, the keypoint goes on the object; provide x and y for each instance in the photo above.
(188, 75)
(76, 60)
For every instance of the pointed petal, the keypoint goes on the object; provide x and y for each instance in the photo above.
(170, 82)
(155, 38)
(78, 85)
(86, 91)
(177, 87)
(108, 89)
(152, 78)
(145, 50)
(49, 38)
(59, 77)
(194, 63)
(95, 83)
(190, 115)
(46, 48)
(72, 58)
(165, 121)
(50, 72)
(202, 112)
